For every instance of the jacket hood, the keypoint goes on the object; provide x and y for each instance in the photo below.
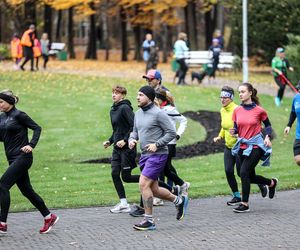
(115, 106)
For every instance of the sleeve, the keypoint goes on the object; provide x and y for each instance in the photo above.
(222, 133)
(168, 128)
(178, 118)
(129, 117)
(27, 122)
(274, 63)
(268, 126)
(134, 134)
(292, 115)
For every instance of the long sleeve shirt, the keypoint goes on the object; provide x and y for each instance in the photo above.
(14, 133)
(180, 48)
(152, 125)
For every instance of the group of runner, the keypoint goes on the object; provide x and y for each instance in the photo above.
(153, 126)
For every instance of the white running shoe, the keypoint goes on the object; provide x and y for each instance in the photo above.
(157, 202)
(185, 187)
(119, 208)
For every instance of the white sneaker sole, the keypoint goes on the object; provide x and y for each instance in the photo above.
(127, 210)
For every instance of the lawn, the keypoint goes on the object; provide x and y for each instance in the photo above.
(73, 111)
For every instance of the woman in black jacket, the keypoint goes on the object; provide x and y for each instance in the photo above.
(14, 125)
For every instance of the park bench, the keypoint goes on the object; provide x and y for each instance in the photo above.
(55, 48)
(198, 58)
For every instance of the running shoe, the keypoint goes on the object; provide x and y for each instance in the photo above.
(176, 190)
(181, 208)
(144, 225)
(157, 202)
(241, 209)
(3, 228)
(49, 223)
(277, 101)
(137, 211)
(234, 201)
(263, 189)
(119, 208)
(185, 187)
(272, 190)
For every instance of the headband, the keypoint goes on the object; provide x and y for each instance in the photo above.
(226, 94)
(9, 99)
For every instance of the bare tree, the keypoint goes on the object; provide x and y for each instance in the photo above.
(71, 33)
(91, 52)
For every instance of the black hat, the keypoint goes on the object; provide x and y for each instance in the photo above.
(148, 91)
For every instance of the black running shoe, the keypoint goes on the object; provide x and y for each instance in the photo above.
(234, 201)
(137, 211)
(263, 189)
(273, 189)
(241, 209)
(181, 208)
(145, 225)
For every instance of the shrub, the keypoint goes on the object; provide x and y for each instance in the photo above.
(293, 55)
(4, 52)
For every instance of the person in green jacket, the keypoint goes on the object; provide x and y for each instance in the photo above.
(228, 106)
(280, 65)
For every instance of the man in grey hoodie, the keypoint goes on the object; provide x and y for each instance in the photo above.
(154, 130)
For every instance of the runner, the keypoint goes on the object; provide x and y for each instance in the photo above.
(14, 126)
(154, 130)
(123, 158)
(251, 146)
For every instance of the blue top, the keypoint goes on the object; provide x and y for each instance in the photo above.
(296, 110)
(255, 140)
(147, 44)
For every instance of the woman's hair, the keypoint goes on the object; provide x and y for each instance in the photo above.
(182, 36)
(250, 88)
(10, 93)
(119, 89)
(165, 95)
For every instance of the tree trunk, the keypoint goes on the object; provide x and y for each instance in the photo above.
(48, 21)
(124, 44)
(190, 21)
(165, 43)
(58, 26)
(137, 40)
(70, 34)
(91, 52)
(29, 13)
(210, 25)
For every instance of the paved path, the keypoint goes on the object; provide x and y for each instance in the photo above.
(271, 224)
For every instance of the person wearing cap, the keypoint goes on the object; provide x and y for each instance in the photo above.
(280, 66)
(228, 106)
(154, 79)
(27, 41)
(14, 125)
(216, 49)
(295, 113)
(154, 130)
(123, 158)
(180, 49)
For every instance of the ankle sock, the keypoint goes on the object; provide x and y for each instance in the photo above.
(237, 194)
(149, 217)
(123, 202)
(177, 201)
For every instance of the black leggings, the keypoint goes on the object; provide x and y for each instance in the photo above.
(28, 52)
(229, 162)
(247, 171)
(17, 173)
(122, 163)
(281, 86)
(183, 68)
(46, 59)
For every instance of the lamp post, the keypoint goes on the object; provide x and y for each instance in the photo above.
(245, 42)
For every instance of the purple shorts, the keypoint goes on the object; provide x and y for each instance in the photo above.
(153, 165)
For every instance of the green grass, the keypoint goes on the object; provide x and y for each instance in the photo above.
(73, 111)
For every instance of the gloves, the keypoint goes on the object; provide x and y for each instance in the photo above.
(177, 137)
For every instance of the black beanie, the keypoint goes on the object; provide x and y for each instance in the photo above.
(148, 91)
(9, 99)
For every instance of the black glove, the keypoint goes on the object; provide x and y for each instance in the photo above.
(177, 137)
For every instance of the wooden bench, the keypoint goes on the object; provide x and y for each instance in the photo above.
(55, 48)
(198, 58)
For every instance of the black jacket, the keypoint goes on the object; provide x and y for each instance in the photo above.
(122, 119)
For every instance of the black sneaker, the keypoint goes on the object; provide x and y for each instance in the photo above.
(234, 201)
(145, 225)
(181, 208)
(137, 211)
(241, 209)
(273, 189)
(263, 189)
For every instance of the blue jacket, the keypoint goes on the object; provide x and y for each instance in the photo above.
(255, 140)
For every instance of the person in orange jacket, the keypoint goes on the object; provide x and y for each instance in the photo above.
(16, 50)
(27, 41)
(37, 52)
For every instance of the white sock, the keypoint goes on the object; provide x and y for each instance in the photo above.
(47, 217)
(149, 217)
(123, 202)
(177, 201)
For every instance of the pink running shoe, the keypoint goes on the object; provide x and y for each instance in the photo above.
(49, 223)
(3, 229)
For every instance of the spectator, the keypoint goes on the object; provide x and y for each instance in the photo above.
(180, 48)
(27, 41)
(153, 58)
(147, 44)
(37, 52)
(216, 49)
(16, 50)
(218, 35)
(45, 45)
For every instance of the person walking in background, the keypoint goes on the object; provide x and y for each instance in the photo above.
(123, 158)
(147, 44)
(280, 66)
(180, 49)
(37, 52)
(27, 41)
(153, 58)
(45, 45)
(295, 113)
(251, 146)
(154, 130)
(14, 125)
(16, 50)
(228, 106)
(218, 35)
(216, 49)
